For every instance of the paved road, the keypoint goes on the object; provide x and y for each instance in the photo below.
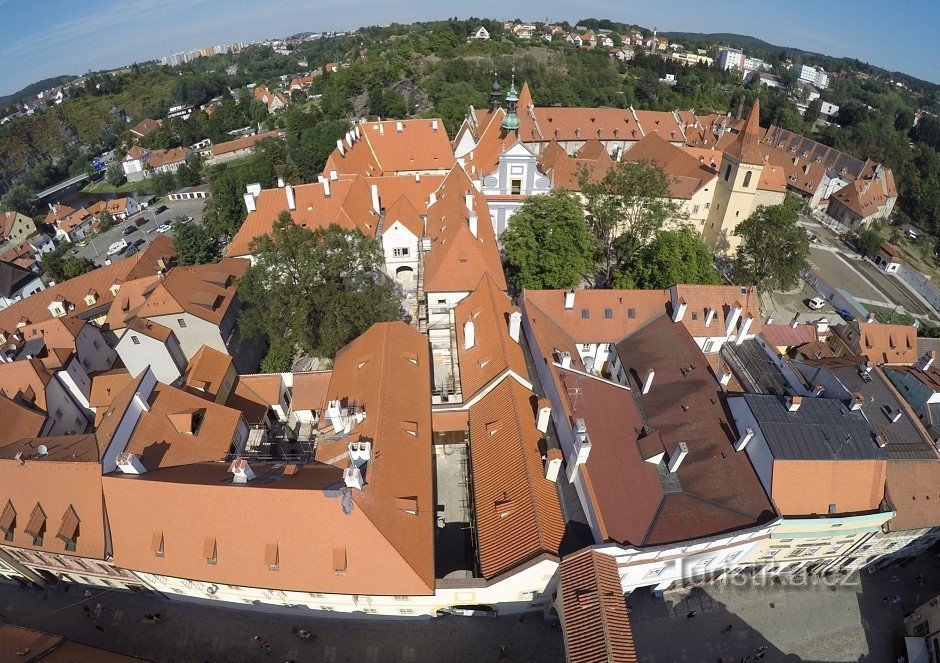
(796, 623)
(896, 291)
(842, 275)
(199, 632)
(97, 247)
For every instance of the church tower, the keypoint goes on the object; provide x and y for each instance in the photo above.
(496, 96)
(735, 193)
(511, 121)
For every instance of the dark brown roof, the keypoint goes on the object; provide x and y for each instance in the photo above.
(594, 613)
(913, 491)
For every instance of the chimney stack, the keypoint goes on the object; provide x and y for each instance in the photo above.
(733, 317)
(375, 199)
(543, 416)
(249, 202)
(871, 317)
(473, 222)
(818, 391)
(326, 188)
(335, 413)
(681, 452)
(353, 477)
(334, 175)
(745, 328)
(130, 463)
(515, 323)
(280, 183)
(552, 464)
(795, 321)
(896, 415)
(291, 202)
(744, 439)
(469, 334)
(926, 361)
(242, 471)
(679, 312)
(709, 316)
(432, 198)
(565, 359)
(794, 403)
(341, 147)
(582, 440)
(569, 299)
(858, 400)
(648, 382)
(433, 125)
(399, 127)
(724, 375)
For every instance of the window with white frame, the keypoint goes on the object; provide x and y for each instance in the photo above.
(401, 252)
(655, 573)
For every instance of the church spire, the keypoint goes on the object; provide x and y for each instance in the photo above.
(496, 95)
(746, 147)
(511, 121)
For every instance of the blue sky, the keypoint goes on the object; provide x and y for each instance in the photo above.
(41, 38)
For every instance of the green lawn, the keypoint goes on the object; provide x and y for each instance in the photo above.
(127, 187)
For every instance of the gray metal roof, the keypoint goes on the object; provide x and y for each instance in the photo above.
(905, 442)
(821, 429)
(755, 370)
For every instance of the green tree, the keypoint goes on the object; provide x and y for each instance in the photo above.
(76, 266)
(114, 175)
(548, 245)
(314, 289)
(105, 222)
(279, 358)
(869, 241)
(53, 262)
(631, 203)
(194, 244)
(773, 248)
(674, 256)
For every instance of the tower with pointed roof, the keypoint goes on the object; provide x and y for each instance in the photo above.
(496, 95)
(735, 196)
(511, 121)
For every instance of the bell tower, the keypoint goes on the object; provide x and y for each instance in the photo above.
(511, 121)
(736, 191)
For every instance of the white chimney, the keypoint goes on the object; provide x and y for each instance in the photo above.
(417, 177)
(552, 467)
(582, 440)
(733, 316)
(745, 328)
(432, 198)
(249, 202)
(334, 175)
(744, 439)
(289, 192)
(381, 129)
(709, 316)
(542, 419)
(375, 199)
(326, 188)
(896, 415)
(341, 147)
(280, 183)
(254, 189)
(360, 450)
(473, 223)
(335, 413)
(515, 323)
(353, 478)
(678, 314)
(565, 359)
(678, 457)
(569, 299)
(794, 403)
(399, 127)
(926, 361)
(818, 391)
(858, 400)
(468, 201)
(724, 375)
(795, 321)
(433, 125)
(469, 334)
(648, 382)
(130, 463)
(242, 471)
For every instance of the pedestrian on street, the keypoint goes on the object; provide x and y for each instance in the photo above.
(98, 609)
(157, 618)
(86, 611)
(727, 628)
(690, 614)
(265, 648)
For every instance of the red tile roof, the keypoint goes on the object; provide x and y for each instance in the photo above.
(242, 143)
(747, 148)
(421, 145)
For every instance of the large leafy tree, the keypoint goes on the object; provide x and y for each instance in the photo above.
(673, 256)
(314, 289)
(547, 243)
(194, 243)
(629, 205)
(773, 248)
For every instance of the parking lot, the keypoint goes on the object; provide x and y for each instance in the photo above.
(96, 248)
(840, 272)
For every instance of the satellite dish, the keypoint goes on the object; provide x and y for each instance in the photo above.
(42, 449)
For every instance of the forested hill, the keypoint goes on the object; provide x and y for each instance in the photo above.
(31, 90)
(759, 46)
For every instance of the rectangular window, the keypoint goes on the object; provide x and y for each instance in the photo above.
(585, 347)
(327, 608)
(631, 313)
(156, 543)
(515, 187)
(402, 598)
(406, 611)
(695, 209)
(271, 557)
(401, 253)
(770, 553)
(181, 322)
(135, 340)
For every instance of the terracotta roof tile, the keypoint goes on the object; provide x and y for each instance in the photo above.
(594, 612)
(422, 145)
(911, 490)
(518, 516)
(207, 371)
(310, 391)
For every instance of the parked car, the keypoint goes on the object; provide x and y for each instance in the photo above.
(128, 230)
(164, 228)
(160, 209)
(139, 242)
(816, 303)
(131, 250)
(117, 247)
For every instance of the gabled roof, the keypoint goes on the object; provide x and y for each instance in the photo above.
(19, 421)
(395, 146)
(242, 143)
(403, 212)
(386, 373)
(310, 390)
(349, 205)
(565, 171)
(685, 174)
(629, 310)
(881, 343)
(145, 127)
(207, 371)
(159, 158)
(594, 614)
(8, 219)
(13, 279)
(911, 490)
(25, 380)
(493, 351)
(416, 189)
(518, 516)
(746, 148)
(723, 299)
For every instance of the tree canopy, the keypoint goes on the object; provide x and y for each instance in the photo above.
(628, 206)
(773, 248)
(314, 289)
(548, 245)
(194, 243)
(673, 256)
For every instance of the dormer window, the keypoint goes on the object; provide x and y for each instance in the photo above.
(156, 543)
(8, 521)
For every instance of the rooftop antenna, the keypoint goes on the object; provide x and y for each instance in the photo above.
(575, 393)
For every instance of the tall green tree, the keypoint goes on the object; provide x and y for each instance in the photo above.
(773, 248)
(314, 289)
(194, 243)
(674, 256)
(869, 241)
(548, 244)
(114, 175)
(630, 204)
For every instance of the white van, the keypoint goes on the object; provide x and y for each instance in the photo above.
(117, 247)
